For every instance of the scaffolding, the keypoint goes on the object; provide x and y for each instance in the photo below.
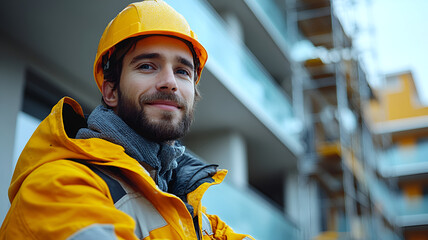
(331, 87)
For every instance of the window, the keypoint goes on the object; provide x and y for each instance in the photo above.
(40, 96)
(25, 126)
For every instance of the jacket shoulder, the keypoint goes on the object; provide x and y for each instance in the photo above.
(60, 198)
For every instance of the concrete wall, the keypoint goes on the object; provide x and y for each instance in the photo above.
(228, 150)
(12, 70)
(301, 204)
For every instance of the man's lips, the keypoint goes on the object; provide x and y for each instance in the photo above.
(165, 104)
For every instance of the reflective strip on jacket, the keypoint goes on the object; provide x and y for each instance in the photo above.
(53, 197)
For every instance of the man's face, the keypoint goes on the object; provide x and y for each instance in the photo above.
(156, 91)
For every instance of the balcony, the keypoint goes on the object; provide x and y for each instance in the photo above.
(263, 29)
(399, 209)
(413, 211)
(399, 161)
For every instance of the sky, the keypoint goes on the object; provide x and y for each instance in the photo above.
(399, 38)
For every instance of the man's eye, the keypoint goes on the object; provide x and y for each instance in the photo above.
(183, 72)
(145, 67)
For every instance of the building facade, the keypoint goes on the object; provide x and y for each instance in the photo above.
(399, 122)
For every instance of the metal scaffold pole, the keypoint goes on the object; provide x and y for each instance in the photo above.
(300, 103)
(344, 138)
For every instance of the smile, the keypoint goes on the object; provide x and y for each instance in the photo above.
(165, 105)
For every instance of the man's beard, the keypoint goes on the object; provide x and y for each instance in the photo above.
(164, 129)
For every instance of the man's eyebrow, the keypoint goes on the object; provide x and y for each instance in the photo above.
(185, 62)
(144, 56)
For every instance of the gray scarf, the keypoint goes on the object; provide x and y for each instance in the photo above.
(105, 124)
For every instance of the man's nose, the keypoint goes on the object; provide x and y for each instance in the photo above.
(167, 81)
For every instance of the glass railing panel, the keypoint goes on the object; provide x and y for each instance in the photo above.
(234, 65)
(383, 196)
(383, 232)
(273, 12)
(405, 159)
(417, 153)
(246, 212)
(414, 205)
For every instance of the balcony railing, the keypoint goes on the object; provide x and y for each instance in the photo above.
(398, 209)
(275, 18)
(413, 211)
(381, 231)
(384, 198)
(405, 160)
(234, 65)
(246, 212)
(414, 206)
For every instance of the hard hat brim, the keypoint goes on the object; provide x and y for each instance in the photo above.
(200, 51)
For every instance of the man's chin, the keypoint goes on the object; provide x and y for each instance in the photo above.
(161, 132)
(162, 124)
(164, 117)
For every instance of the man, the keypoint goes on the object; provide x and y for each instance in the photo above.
(122, 174)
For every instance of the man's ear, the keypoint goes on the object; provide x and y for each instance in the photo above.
(109, 94)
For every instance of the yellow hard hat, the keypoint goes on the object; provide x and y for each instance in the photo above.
(146, 18)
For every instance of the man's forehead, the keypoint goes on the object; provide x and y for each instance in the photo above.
(163, 45)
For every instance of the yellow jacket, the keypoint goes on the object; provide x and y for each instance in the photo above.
(53, 197)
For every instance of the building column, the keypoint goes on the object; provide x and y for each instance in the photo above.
(227, 149)
(12, 79)
(301, 204)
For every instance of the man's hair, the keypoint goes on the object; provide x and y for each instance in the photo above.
(112, 65)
